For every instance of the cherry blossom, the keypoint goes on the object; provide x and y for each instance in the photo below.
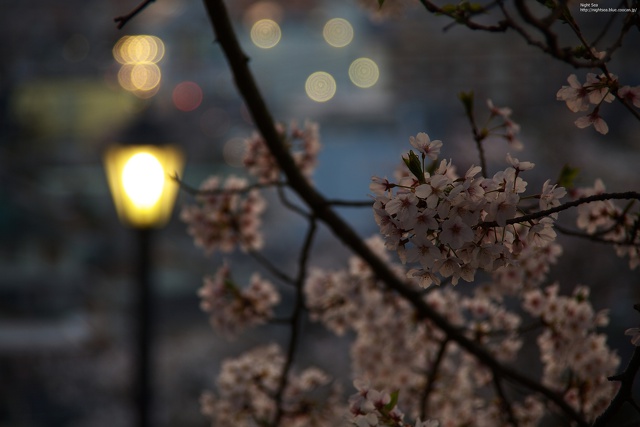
(247, 385)
(575, 95)
(425, 145)
(596, 90)
(225, 216)
(232, 309)
(438, 220)
(571, 344)
(634, 333)
(304, 144)
(551, 195)
(593, 119)
(630, 94)
(611, 222)
(511, 128)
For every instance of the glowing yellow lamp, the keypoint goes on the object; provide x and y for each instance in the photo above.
(140, 180)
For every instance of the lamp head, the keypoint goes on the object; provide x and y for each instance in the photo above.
(142, 184)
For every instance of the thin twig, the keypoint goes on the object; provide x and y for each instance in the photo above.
(268, 265)
(504, 402)
(295, 321)
(199, 192)
(430, 378)
(628, 195)
(350, 203)
(285, 201)
(593, 238)
(122, 20)
(465, 20)
(624, 394)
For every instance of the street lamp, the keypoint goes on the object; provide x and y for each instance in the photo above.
(140, 182)
(143, 191)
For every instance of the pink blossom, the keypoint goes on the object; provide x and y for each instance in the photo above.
(455, 233)
(593, 119)
(575, 95)
(425, 145)
(630, 94)
(551, 195)
(634, 333)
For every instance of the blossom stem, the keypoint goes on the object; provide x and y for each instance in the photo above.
(504, 402)
(275, 271)
(122, 20)
(430, 378)
(624, 393)
(295, 321)
(627, 195)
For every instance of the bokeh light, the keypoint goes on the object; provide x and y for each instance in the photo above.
(136, 49)
(138, 56)
(320, 86)
(364, 72)
(145, 76)
(234, 151)
(265, 33)
(187, 96)
(338, 32)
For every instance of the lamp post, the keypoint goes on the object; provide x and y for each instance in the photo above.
(143, 193)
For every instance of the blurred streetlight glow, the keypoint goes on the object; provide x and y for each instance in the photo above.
(140, 183)
(143, 180)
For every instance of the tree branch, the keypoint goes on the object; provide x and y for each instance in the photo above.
(122, 20)
(624, 394)
(318, 204)
(628, 195)
(295, 321)
(430, 377)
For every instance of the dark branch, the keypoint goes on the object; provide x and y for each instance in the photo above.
(198, 192)
(295, 320)
(504, 402)
(628, 195)
(351, 203)
(430, 378)
(122, 20)
(624, 394)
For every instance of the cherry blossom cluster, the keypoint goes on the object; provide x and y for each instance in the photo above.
(304, 144)
(594, 91)
(227, 215)
(611, 222)
(576, 359)
(454, 226)
(231, 308)
(247, 389)
(397, 351)
(373, 408)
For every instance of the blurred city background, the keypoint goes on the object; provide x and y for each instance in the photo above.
(66, 263)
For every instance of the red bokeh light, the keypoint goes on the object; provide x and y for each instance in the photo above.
(187, 96)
